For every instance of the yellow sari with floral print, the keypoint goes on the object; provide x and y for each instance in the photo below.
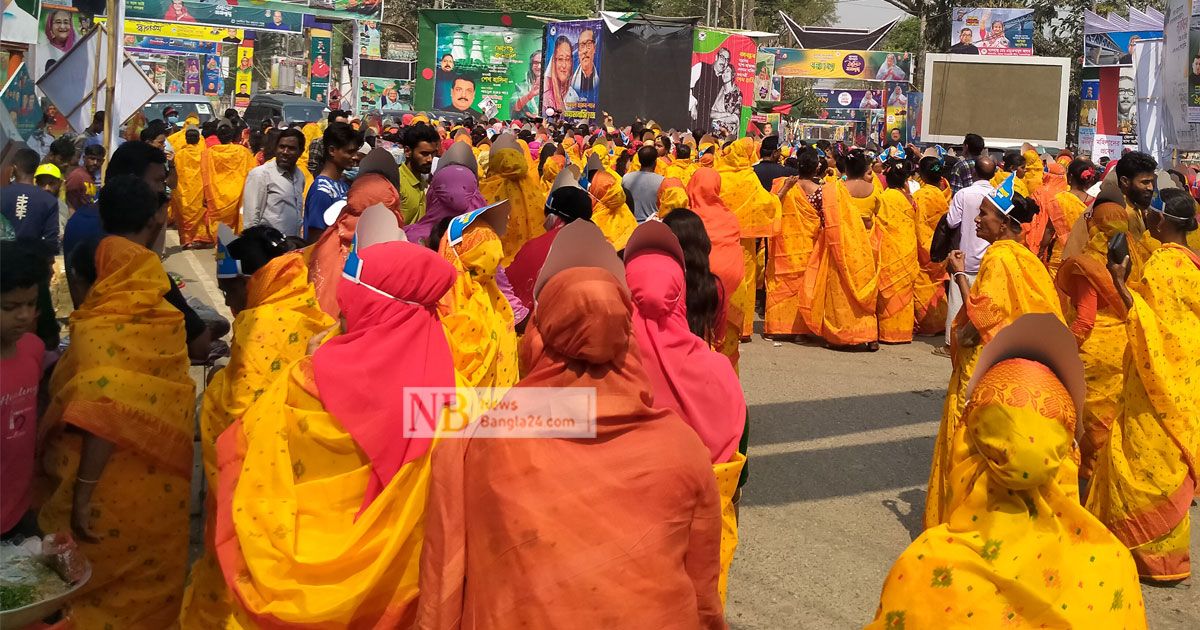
(280, 318)
(510, 177)
(1146, 473)
(757, 211)
(929, 289)
(1017, 550)
(790, 248)
(609, 211)
(124, 379)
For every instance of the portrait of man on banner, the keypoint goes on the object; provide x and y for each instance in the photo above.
(715, 100)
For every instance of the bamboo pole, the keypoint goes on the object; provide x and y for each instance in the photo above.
(110, 87)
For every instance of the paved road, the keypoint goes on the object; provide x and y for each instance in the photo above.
(840, 446)
(840, 450)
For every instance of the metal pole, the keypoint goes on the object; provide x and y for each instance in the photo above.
(356, 35)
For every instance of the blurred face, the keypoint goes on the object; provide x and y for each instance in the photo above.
(891, 60)
(997, 29)
(1126, 95)
(287, 152)
(342, 157)
(991, 225)
(462, 94)
(159, 141)
(277, 18)
(18, 313)
(420, 158)
(562, 62)
(156, 176)
(92, 163)
(587, 51)
(895, 135)
(662, 148)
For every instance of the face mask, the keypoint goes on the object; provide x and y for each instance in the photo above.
(350, 174)
(173, 120)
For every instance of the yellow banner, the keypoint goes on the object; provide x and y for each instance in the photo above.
(245, 74)
(174, 30)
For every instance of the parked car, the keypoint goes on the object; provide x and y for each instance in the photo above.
(279, 106)
(185, 104)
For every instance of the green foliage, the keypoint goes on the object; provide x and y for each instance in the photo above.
(904, 37)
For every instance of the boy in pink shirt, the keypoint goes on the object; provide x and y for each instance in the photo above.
(22, 268)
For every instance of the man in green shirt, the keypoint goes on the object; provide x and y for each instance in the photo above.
(420, 146)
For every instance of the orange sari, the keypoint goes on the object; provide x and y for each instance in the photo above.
(725, 259)
(609, 211)
(757, 211)
(898, 266)
(223, 168)
(789, 252)
(929, 289)
(187, 203)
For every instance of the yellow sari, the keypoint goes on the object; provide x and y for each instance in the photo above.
(1017, 550)
(898, 266)
(682, 170)
(476, 316)
(929, 289)
(609, 211)
(1063, 212)
(187, 200)
(1145, 475)
(790, 249)
(550, 170)
(223, 169)
(1011, 283)
(727, 475)
(841, 283)
(280, 318)
(1033, 172)
(125, 380)
(757, 210)
(509, 177)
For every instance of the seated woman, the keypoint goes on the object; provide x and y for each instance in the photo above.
(617, 530)
(321, 492)
(1011, 283)
(275, 318)
(1146, 472)
(697, 383)
(1016, 548)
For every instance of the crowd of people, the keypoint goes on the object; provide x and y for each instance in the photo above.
(506, 257)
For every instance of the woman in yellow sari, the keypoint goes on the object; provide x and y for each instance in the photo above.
(1010, 284)
(1034, 173)
(510, 177)
(1061, 209)
(841, 282)
(321, 495)
(197, 227)
(1017, 550)
(1145, 477)
(275, 316)
(756, 210)
(792, 245)
(120, 427)
(1099, 327)
(683, 167)
(477, 317)
(223, 168)
(898, 264)
(929, 290)
(609, 211)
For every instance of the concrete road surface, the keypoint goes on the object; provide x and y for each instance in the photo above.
(840, 445)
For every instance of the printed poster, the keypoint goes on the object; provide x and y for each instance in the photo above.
(164, 46)
(764, 68)
(22, 102)
(722, 79)
(572, 85)
(191, 76)
(991, 31)
(766, 124)
(60, 28)
(1112, 49)
(850, 99)
(209, 13)
(169, 30)
(370, 40)
(864, 65)
(1193, 83)
(210, 75)
(20, 24)
(485, 70)
(385, 94)
(318, 64)
(896, 115)
(1127, 107)
(1089, 105)
(243, 86)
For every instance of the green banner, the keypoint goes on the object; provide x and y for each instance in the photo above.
(318, 64)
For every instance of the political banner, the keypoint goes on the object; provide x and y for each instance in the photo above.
(1112, 49)
(318, 64)
(572, 81)
(370, 40)
(164, 46)
(896, 115)
(191, 76)
(384, 94)
(989, 31)
(210, 76)
(916, 100)
(1089, 104)
(170, 30)
(1193, 82)
(765, 88)
(243, 86)
(483, 71)
(850, 99)
(764, 124)
(21, 101)
(358, 9)
(722, 79)
(864, 65)
(204, 12)
(60, 28)
(1127, 107)
(20, 24)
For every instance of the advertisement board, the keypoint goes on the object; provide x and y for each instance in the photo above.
(385, 94)
(722, 79)
(766, 124)
(850, 99)
(60, 27)
(1112, 49)
(211, 78)
(20, 25)
(203, 12)
(1193, 56)
(571, 86)
(370, 40)
(896, 115)
(864, 65)
(191, 76)
(318, 64)
(163, 46)
(484, 70)
(766, 87)
(989, 31)
(22, 102)
(244, 84)
(172, 30)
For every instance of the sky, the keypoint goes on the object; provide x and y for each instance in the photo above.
(865, 13)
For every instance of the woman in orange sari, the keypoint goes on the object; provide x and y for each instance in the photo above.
(1010, 284)
(929, 290)
(551, 167)
(1099, 327)
(321, 491)
(1145, 477)
(223, 169)
(756, 210)
(1062, 208)
(898, 264)
(609, 211)
(542, 533)
(792, 245)
(197, 226)
(275, 316)
(1016, 550)
(120, 426)
(725, 260)
(510, 177)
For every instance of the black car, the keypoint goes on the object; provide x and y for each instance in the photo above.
(282, 107)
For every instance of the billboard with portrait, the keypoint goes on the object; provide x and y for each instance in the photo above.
(166, 46)
(244, 15)
(482, 71)
(864, 65)
(988, 31)
(170, 30)
(60, 28)
(191, 75)
(384, 94)
(571, 81)
(21, 101)
(850, 99)
(1112, 49)
(20, 24)
(765, 87)
(244, 86)
(318, 64)
(722, 79)
(211, 77)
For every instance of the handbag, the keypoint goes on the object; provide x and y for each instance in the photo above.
(945, 240)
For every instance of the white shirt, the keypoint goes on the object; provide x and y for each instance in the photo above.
(964, 207)
(274, 197)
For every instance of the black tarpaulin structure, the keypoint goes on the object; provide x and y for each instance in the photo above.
(646, 66)
(836, 38)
